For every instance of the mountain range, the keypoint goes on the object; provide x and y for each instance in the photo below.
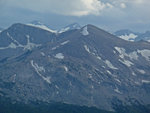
(133, 36)
(84, 66)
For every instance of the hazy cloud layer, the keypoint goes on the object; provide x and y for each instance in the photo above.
(75, 7)
(117, 13)
(63, 7)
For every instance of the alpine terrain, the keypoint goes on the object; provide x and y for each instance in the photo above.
(133, 36)
(83, 66)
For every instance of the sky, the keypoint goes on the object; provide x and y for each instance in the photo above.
(110, 15)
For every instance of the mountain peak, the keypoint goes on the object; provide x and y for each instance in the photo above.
(74, 25)
(69, 27)
(35, 22)
(89, 64)
(129, 35)
(41, 26)
(124, 32)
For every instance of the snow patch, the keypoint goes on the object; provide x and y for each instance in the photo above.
(11, 45)
(30, 45)
(15, 44)
(63, 43)
(54, 48)
(133, 74)
(145, 53)
(64, 30)
(146, 81)
(39, 69)
(87, 49)
(59, 56)
(56, 87)
(93, 52)
(43, 27)
(15, 41)
(109, 64)
(126, 62)
(117, 80)
(42, 53)
(130, 37)
(109, 72)
(90, 76)
(117, 91)
(141, 71)
(133, 55)
(65, 68)
(114, 52)
(122, 54)
(85, 31)
(98, 57)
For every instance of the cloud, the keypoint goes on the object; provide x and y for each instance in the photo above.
(72, 7)
(110, 13)
(65, 7)
(123, 5)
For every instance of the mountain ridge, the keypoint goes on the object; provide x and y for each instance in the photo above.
(133, 36)
(86, 66)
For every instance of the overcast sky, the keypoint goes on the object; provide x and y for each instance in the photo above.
(110, 15)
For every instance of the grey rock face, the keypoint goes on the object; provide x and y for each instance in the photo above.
(87, 66)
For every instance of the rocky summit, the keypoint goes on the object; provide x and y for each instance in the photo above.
(85, 66)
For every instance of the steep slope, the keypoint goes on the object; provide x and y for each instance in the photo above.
(87, 66)
(20, 38)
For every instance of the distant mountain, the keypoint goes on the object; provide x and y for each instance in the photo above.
(124, 32)
(45, 27)
(133, 36)
(127, 34)
(85, 67)
(70, 27)
(35, 22)
(145, 36)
